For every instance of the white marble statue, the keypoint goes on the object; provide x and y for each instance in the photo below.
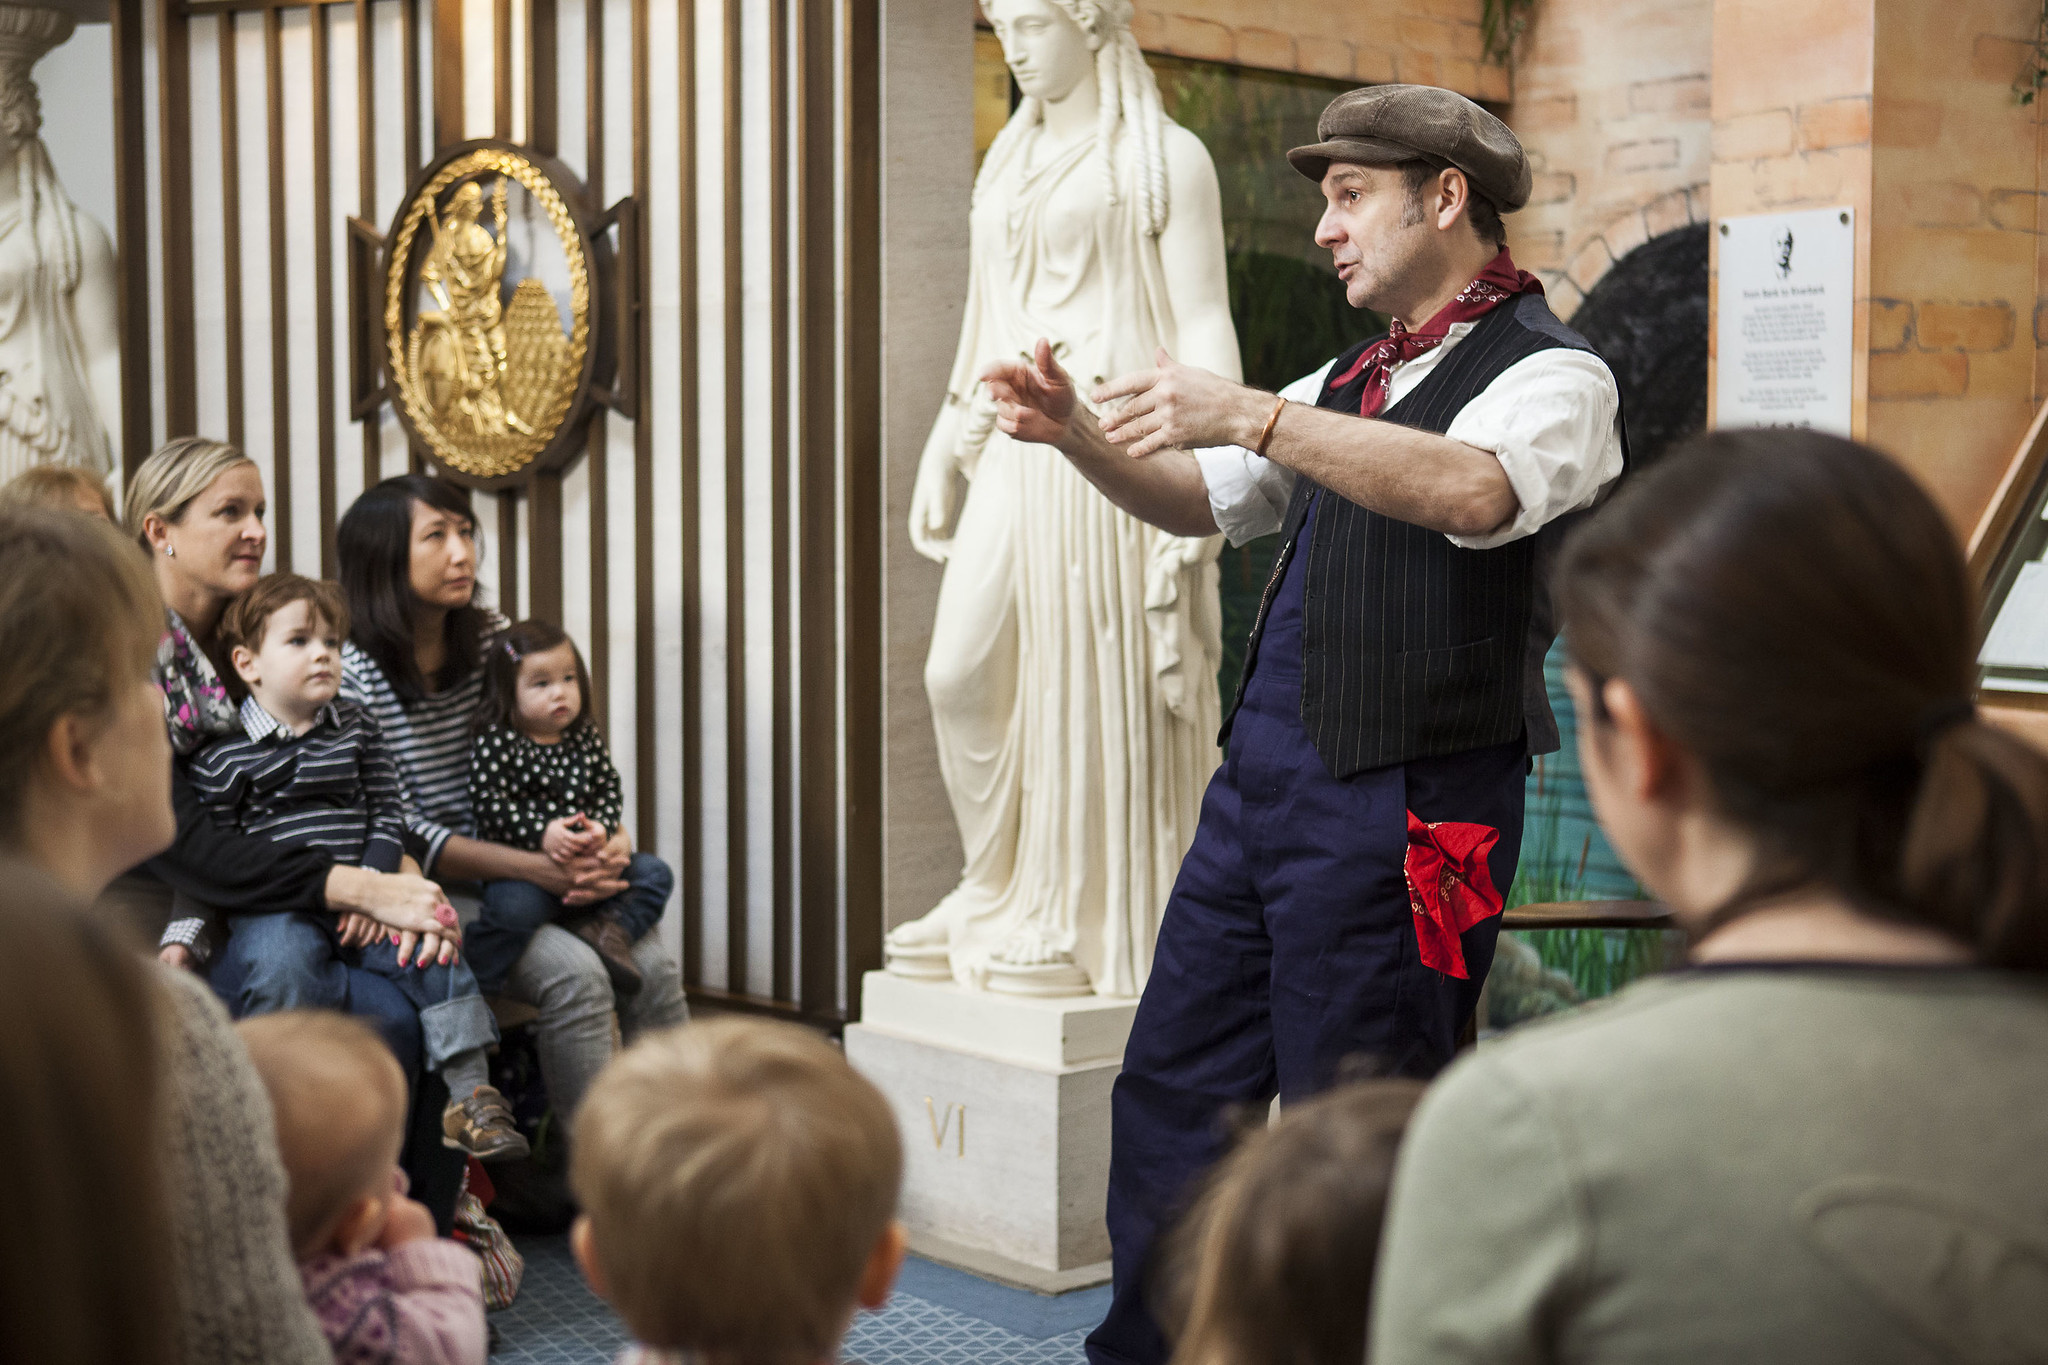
(1073, 662)
(60, 359)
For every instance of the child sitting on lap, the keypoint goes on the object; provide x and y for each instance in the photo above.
(540, 779)
(384, 1287)
(739, 1183)
(1273, 1265)
(312, 769)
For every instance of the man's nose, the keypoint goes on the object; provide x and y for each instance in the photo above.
(1329, 235)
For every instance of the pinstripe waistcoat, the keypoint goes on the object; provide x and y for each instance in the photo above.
(1413, 647)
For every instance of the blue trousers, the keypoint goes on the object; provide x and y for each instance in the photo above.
(1287, 948)
(514, 911)
(294, 961)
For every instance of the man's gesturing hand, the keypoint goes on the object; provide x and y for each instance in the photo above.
(1180, 406)
(1034, 402)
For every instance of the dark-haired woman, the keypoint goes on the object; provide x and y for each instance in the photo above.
(1823, 1140)
(407, 552)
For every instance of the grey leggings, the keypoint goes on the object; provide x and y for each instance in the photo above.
(561, 976)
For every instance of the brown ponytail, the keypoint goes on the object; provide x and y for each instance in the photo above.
(1794, 610)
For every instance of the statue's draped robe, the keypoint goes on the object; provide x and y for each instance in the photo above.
(47, 411)
(1073, 668)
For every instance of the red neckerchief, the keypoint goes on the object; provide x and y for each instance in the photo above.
(1493, 286)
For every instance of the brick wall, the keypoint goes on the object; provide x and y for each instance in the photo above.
(1956, 352)
(1424, 42)
(1787, 79)
(1611, 102)
(1904, 110)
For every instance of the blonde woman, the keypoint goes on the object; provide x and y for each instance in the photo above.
(84, 779)
(196, 507)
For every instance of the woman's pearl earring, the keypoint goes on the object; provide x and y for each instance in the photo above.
(170, 552)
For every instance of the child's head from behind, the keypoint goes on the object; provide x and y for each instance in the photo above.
(339, 1097)
(739, 1184)
(1273, 1265)
(534, 681)
(286, 635)
(60, 485)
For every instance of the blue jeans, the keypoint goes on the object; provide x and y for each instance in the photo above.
(514, 911)
(369, 997)
(294, 961)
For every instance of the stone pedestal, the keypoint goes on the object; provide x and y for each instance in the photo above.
(1004, 1106)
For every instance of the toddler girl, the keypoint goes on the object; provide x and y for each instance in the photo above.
(540, 779)
(387, 1291)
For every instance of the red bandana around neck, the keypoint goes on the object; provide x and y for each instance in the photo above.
(1496, 284)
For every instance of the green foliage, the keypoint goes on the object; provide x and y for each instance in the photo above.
(1538, 972)
(1599, 962)
(2027, 86)
(1501, 23)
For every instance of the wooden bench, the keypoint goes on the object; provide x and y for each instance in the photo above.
(1588, 915)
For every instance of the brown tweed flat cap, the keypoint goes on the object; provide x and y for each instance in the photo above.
(1382, 125)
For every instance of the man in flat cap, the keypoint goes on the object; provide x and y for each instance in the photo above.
(1342, 895)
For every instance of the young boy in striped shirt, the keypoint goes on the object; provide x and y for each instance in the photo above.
(310, 768)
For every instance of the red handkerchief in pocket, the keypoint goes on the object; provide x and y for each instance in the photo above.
(1450, 887)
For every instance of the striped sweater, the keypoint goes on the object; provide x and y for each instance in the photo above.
(333, 787)
(429, 741)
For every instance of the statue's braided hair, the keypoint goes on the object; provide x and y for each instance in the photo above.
(1126, 93)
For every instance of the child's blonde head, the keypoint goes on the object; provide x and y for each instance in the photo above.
(339, 1097)
(737, 1177)
(60, 485)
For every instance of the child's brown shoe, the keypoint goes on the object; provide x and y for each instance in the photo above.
(481, 1125)
(615, 949)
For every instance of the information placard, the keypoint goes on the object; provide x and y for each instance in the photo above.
(1786, 310)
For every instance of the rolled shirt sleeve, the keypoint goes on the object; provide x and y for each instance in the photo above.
(1247, 493)
(1552, 420)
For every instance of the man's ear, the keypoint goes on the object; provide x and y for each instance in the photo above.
(583, 1246)
(1453, 197)
(885, 1262)
(245, 665)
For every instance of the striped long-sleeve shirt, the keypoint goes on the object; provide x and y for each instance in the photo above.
(429, 740)
(333, 787)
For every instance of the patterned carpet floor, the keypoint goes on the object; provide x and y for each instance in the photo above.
(938, 1316)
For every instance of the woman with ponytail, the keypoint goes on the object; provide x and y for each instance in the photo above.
(1822, 1140)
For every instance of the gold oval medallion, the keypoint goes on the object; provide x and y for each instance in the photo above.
(488, 310)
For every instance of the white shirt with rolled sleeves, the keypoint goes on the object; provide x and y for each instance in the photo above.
(1553, 421)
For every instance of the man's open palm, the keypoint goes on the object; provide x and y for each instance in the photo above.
(1034, 402)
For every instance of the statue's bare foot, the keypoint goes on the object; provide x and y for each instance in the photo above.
(1029, 946)
(922, 948)
(1030, 962)
(926, 931)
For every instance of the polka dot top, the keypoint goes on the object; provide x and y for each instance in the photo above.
(517, 787)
